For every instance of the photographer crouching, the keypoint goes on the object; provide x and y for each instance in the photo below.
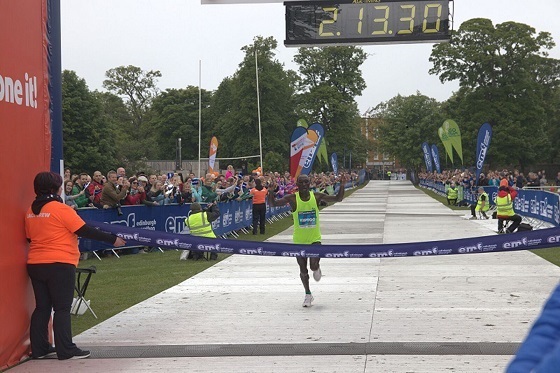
(199, 221)
(111, 195)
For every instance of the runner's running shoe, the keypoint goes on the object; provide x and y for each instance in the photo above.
(307, 301)
(317, 274)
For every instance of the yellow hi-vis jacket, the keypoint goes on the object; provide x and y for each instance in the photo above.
(199, 225)
(505, 206)
(486, 203)
(452, 193)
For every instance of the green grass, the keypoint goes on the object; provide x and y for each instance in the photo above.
(122, 283)
(551, 254)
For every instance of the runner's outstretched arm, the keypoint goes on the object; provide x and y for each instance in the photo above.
(289, 198)
(338, 197)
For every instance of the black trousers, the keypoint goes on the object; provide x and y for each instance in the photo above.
(516, 220)
(473, 211)
(259, 217)
(53, 285)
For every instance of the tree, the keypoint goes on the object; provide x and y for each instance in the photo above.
(506, 79)
(329, 80)
(407, 122)
(234, 109)
(481, 55)
(88, 138)
(130, 149)
(136, 86)
(174, 114)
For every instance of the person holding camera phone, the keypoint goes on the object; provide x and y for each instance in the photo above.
(196, 189)
(136, 194)
(110, 195)
(187, 193)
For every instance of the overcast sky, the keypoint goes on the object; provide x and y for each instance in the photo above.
(174, 35)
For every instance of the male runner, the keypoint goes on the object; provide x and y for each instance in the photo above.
(305, 212)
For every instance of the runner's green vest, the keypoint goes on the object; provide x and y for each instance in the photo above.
(199, 225)
(452, 193)
(306, 221)
(505, 206)
(486, 203)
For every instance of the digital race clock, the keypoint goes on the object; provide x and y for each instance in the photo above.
(344, 22)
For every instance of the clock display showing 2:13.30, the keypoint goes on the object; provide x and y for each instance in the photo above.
(366, 22)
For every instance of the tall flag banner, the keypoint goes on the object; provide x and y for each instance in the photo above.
(427, 156)
(322, 152)
(435, 156)
(454, 134)
(322, 155)
(482, 144)
(302, 123)
(446, 143)
(212, 156)
(316, 134)
(334, 163)
(298, 141)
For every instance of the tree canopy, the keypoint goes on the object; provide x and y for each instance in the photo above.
(406, 122)
(505, 74)
(329, 81)
(88, 136)
(506, 79)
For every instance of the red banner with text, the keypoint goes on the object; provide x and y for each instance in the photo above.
(25, 144)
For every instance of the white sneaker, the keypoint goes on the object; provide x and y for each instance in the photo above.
(317, 274)
(307, 301)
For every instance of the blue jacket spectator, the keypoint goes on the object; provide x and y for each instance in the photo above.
(540, 352)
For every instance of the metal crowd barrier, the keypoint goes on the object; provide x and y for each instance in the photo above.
(530, 203)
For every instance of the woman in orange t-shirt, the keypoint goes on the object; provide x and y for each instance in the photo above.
(259, 193)
(52, 229)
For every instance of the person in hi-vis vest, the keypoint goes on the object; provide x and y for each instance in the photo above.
(307, 231)
(504, 205)
(452, 194)
(199, 223)
(482, 204)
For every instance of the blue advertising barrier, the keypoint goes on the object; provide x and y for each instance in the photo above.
(234, 215)
(536, 204)
(537, 239)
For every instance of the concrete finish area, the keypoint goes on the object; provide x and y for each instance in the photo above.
(414, 314)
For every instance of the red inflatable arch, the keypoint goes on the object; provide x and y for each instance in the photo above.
(25, 146)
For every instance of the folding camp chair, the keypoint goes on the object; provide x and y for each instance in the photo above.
(505, 226)
(81, 288)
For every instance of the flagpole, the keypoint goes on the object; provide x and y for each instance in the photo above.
(259, 109)
(199, 113)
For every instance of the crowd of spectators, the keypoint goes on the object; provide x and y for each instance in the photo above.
(116, 189)
(467, 178)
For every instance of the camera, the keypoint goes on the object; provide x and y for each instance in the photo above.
(118, 207)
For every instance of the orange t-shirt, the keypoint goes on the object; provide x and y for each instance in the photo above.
(52, 234)
(259, 196)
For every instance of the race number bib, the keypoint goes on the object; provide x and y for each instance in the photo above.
(307, 219)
